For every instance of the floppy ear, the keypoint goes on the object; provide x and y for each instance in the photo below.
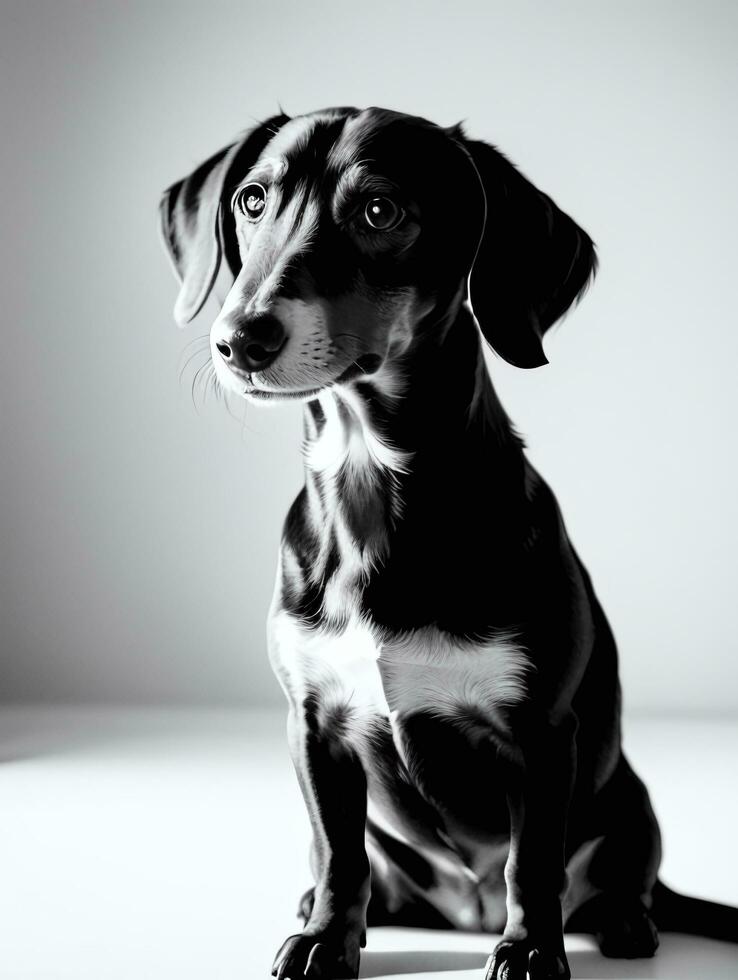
(196, 223)
(532, 263)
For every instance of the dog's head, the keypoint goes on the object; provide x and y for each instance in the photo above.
(350, 233)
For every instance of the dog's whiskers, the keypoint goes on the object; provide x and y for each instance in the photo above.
(202, 374)
(190, 359)
(196, 340)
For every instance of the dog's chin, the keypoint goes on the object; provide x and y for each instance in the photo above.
(265, 391)
(281, 394)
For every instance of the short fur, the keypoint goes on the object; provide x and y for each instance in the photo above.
(452, 679)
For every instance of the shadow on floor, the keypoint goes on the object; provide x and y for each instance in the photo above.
(430, 961)
(679, 958)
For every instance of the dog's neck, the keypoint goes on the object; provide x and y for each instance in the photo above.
(392, 452)
(436, 402)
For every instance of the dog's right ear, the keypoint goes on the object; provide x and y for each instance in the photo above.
(196, 223)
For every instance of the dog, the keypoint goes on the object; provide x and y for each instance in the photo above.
(454, 703)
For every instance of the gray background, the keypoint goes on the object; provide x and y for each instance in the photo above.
(139, 537)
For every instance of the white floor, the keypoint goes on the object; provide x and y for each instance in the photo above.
(151, 845)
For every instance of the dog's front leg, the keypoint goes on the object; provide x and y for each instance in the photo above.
(334, 787)
(533, 942)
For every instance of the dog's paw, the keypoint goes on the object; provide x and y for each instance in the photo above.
(509, 961)
(314, 956)
(547, 965)
(628, 934)
(515, 960)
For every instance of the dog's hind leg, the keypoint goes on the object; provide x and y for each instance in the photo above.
(622, 869)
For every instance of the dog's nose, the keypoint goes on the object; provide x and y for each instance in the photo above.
(253, 344)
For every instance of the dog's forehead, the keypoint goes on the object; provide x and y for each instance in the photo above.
(304, 144)
(293, 138)
(331, 141)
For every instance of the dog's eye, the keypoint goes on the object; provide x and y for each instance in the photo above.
(251, 201)
(382, 214)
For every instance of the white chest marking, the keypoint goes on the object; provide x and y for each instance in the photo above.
(429, 670)
(342, 668)
(423, 671)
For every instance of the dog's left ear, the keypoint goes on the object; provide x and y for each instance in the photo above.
(532, 263)
(196, 223)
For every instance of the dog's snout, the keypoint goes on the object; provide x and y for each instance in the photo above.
(253, 344)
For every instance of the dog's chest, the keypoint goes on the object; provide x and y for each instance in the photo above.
(363, 675)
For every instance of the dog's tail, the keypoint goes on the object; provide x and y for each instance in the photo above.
(673, 912)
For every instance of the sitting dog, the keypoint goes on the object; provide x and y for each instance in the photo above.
(454, 704)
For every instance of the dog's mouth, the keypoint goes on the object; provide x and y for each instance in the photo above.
(363, 366)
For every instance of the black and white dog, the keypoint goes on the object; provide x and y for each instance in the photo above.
(452, 679)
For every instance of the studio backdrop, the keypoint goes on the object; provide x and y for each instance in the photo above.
(140, 520)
